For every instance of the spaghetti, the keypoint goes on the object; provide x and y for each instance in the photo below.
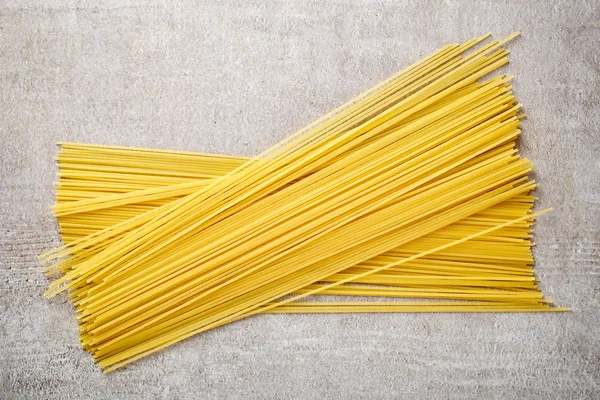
(413, 190)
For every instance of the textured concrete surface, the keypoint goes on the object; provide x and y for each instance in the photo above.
(237, 77)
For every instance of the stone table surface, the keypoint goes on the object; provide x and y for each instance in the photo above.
(236, 77)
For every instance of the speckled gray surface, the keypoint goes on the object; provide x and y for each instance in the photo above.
(237, 77)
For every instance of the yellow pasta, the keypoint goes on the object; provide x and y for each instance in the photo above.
(413, 190)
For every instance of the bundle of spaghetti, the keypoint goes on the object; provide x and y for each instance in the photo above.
(426, 149)
(488, 257)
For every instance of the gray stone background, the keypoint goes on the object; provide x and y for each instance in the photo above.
(236, 77)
